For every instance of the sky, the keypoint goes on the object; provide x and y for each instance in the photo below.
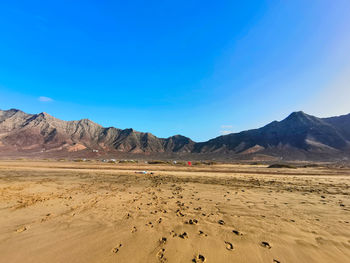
(196, 68)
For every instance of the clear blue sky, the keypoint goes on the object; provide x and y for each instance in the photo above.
(197, 68)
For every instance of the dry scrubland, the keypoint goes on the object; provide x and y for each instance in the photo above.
(93, 212)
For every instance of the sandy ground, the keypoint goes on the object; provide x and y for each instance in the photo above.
(93, 212)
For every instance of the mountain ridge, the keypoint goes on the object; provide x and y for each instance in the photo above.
(299, 134)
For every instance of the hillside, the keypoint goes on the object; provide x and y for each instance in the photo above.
(299, 136)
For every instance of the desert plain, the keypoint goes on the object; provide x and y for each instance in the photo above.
(62, 211)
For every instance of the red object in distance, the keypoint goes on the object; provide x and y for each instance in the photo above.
(189, 163)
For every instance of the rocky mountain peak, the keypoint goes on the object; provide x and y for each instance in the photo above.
(299, 133)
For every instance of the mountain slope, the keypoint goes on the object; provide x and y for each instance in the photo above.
(298, 136)
(342, 123)
(298, 131)
(42, 132)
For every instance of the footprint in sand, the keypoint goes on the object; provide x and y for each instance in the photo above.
(134, 229)
(198, 258)
(221, 222)
(237, 233)
(160, 255)
(201, 233)
(149, 224)
(265, 244)
(192, 222)
(162, 240)
(183, 235)
(173, 234)
(229, 246)
(178, 213)
(116, 249)
(46, 217)
(22, 229)
(276, 261)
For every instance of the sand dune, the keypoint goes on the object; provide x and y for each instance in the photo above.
(93, 212)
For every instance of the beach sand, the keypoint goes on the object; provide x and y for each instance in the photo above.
(54, 211)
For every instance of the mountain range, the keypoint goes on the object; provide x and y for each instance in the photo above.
(298, 137)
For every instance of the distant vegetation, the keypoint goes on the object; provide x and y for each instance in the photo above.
(310, 165)
(282, 165)
(203, 163)
(181, 162)
(255, 163)
(127, 161)
(158, 162)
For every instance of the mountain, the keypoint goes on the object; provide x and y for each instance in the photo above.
(342, 123)
(299, 136)
(42, 133)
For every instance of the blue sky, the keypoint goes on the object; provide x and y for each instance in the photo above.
(197, 68)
